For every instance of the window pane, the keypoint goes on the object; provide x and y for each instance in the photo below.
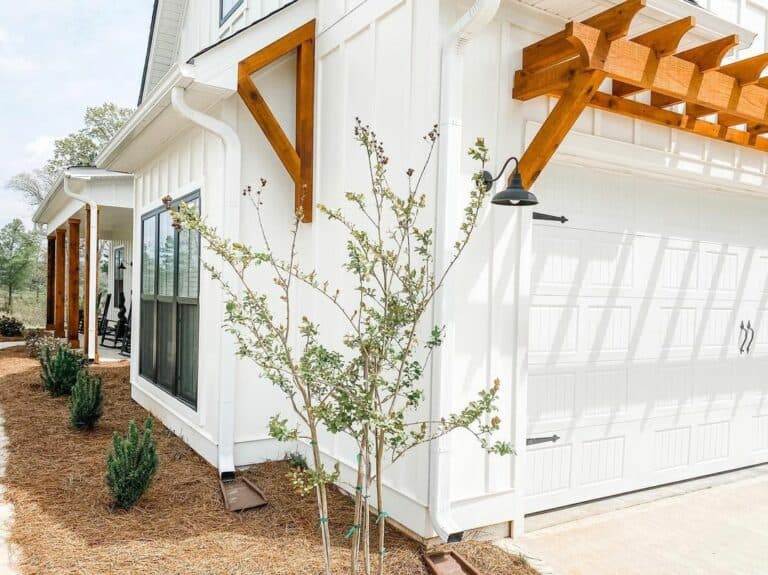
(227, 6)
(148, 255)
(147, 340)
(165, 346)
(165, 266)
(187, 356)
(189, 261)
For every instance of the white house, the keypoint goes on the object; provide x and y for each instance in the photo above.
(635, 331)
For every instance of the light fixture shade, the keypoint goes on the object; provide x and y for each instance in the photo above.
(515, 194)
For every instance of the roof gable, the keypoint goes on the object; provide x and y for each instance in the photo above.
(163, 43)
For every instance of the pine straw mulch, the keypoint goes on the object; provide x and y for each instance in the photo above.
(64, 523)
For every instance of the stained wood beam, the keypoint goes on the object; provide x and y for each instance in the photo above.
(58, 305)
(757, 129)
(50, 284)
(610, 24)
(706, 56)
(696, 111)
(73, 282)
(746, 71)
(296, 158)
(663, 41)
(671, 119)
(672, 76)
(557, 125)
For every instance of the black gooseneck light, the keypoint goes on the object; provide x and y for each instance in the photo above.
(515, 193)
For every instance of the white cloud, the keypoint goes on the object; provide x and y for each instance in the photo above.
(10, 63)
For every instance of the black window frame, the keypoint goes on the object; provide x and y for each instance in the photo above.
(224, 17)
(155, 298)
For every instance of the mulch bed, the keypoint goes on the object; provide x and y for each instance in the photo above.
(64, 522)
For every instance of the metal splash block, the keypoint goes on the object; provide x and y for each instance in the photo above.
(241, 494)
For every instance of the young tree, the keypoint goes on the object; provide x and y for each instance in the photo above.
(18, 254)
(374, 389)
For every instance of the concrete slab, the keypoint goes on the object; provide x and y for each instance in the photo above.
(719, 530)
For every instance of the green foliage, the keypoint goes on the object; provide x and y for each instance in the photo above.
(85, 404)
(296, 460)
(18, 256)
(60, 367)
(131, 464)
(10, 326)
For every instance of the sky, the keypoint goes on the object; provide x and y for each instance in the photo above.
(56, 58)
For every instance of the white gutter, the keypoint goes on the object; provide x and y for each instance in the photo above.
(450, 208)
(230, 229)
(94, 250)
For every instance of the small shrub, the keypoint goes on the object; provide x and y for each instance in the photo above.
(10, 326)
(59, 369)
(296, 460)
(85, 405)
(37, 339)
(131, 465)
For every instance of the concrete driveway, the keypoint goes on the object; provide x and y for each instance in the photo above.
(722, 529)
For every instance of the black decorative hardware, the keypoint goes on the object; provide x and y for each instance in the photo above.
(548, 218)
(746, 334)
(537, 440)
(752, 339)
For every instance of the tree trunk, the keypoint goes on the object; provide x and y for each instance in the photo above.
(359, 502)
(382, 518)
(322, 500)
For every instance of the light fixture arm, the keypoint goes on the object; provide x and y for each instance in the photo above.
(488, 178)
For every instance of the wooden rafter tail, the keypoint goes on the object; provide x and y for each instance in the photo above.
(565, 113)
(757, 129)
(747, 71)
(707, 57)
(298, 160)
(592, 33)
(663, 41)
(729, 120)
(682, 122)
(696, 111)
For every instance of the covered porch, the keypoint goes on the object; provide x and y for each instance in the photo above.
(88, 218)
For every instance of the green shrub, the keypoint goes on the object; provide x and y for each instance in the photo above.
(85, 405)
(296, 460)
(131, 465)
(10, 326)
(37, 339)
(59, 369)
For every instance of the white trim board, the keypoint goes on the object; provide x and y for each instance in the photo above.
(614, 155)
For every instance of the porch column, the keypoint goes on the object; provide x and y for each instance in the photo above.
(73, 288)
(58, 305)
(91, 283)
(50, 292)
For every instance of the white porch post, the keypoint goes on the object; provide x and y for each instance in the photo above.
(93, 238)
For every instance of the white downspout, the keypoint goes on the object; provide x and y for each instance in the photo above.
(450, 206)
(230, 229)
(93, 249)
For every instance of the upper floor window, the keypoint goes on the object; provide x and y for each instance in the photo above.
(227, 8)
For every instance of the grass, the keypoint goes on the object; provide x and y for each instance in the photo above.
(28, 306)
(64, 522)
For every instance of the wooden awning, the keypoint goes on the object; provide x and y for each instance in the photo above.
(573, 64)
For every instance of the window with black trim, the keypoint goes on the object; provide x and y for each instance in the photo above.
(227, 8)
(169, 324)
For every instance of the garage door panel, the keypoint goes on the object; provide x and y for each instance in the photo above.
(634, 336)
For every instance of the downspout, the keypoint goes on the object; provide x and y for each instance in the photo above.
(93, 249)
(449, 207)
(230, 227)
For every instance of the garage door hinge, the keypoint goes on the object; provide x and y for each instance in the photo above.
(537, 440)
(549, 218)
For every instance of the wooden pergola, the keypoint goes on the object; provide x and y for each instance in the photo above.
(573, 64)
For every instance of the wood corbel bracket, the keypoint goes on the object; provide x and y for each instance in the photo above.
(297, 159)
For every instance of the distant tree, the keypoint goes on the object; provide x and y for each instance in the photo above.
(32, 185)
(18, 254)
(101, 124)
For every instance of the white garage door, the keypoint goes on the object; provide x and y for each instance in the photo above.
(635, 318)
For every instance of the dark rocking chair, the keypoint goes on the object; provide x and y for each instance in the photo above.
(114, 331)
(103, 320)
